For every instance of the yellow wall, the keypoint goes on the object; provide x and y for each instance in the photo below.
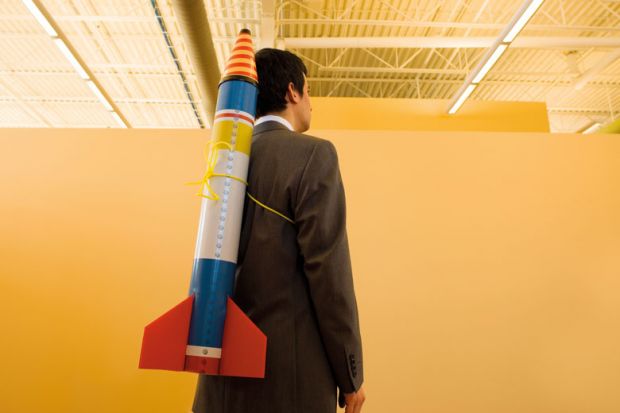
(427, 115)
(486, 266)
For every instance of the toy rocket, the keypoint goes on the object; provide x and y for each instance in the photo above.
(207, 333)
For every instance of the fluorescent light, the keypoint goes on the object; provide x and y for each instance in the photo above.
(457, 105)
(592, 128)
(118, 119)
(525, 17)
(490, 62)
(62, 46)
(76, 65)
(99, 95)
(40, 17)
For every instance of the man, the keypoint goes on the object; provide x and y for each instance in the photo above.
(294, 275)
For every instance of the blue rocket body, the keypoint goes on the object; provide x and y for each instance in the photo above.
(213, 275)
(217, 338)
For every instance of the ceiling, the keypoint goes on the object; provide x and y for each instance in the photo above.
(567, 56)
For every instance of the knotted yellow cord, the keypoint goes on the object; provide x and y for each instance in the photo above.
(212, 158)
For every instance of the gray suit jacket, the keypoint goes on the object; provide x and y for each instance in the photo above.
(294, 281)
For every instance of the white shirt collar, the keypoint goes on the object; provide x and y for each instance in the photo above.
(273, 118)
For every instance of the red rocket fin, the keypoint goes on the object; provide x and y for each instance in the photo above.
(244, 346)
(165, 339)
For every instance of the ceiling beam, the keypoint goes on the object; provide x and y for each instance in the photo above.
(448, 42)
(71, 100)
(23, 104)
(422, 70)
(441, 25)
(595, 70)
(560, 110)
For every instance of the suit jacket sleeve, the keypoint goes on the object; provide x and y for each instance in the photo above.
(320, 218)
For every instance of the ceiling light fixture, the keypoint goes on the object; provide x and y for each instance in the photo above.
(49, 26)
(496, 51)
(457, 105)
(76, 65)
(490, 63)
(118, 119)
(592, 128)
(522, 20)
(97, 92)
(40, 17)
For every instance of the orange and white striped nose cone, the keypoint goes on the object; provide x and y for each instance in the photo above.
(241, 61)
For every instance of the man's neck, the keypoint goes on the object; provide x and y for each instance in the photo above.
(288, 116)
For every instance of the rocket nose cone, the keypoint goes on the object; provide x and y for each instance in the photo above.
(241, 61)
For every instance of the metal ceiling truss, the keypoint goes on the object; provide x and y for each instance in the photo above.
(421, 49)
(567, 56)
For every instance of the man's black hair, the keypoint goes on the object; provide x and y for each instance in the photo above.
(276, 69)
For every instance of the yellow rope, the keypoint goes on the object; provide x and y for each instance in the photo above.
(270, 209)
(212, 158)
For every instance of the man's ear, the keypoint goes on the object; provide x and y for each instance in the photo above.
(292, 95)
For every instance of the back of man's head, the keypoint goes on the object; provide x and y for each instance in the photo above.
(276, 69)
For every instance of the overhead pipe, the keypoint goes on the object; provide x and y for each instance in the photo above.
(267, 24)
(194, 25)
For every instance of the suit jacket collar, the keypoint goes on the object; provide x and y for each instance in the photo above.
(266, 127)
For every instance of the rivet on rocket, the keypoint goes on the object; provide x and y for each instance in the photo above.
(207, 332)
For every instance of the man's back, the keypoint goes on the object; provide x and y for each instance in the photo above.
(294, 281)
